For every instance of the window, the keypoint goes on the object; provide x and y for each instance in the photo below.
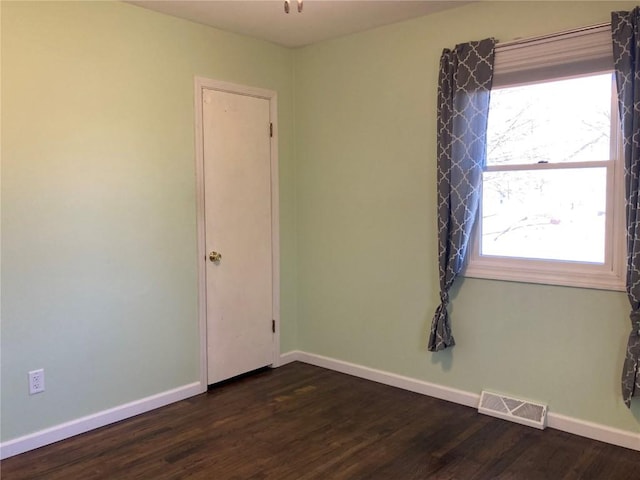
(551, 209)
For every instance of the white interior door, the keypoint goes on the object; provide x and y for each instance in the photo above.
(237, 193)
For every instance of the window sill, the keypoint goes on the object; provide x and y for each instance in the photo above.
(546, 272)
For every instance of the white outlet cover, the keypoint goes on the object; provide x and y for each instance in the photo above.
(36, 381)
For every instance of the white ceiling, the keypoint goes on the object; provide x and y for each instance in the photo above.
(319, 20)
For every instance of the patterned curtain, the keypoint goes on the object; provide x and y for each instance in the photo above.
(626, 55)
(464, 84)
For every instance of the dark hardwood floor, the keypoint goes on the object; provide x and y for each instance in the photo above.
(304, 422)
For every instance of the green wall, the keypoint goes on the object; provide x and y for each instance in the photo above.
(98, 194)
(365, 155)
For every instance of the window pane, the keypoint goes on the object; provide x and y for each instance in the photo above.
(560, 121)
(545, 214)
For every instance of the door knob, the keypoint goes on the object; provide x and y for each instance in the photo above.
(215, 257)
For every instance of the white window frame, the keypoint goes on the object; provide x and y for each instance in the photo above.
(566, 55)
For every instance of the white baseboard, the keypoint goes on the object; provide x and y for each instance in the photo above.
(595, 431)
(572, 425)
(97, 420)
(388, 378)
(289, 357)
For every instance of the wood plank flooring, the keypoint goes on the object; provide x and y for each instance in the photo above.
(304, 422)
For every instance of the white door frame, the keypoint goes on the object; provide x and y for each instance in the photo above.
(202, 83)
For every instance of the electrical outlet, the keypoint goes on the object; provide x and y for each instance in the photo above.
(36, 381)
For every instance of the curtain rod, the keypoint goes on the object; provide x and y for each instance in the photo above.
(524, 41)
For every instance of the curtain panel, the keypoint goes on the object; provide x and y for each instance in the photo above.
(626, 50)
(464, 85)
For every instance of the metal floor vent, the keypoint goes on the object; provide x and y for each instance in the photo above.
(513, 409)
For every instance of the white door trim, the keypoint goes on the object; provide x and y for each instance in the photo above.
(202, 83)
